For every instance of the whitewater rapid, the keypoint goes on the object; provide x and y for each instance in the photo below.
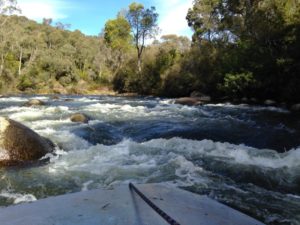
(247, 157)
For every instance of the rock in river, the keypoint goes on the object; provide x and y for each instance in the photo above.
(19, 144)
(34, 102)
(80, 118)
(190, 101)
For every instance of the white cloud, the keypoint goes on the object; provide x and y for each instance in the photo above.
(173, 16)
(37, 10)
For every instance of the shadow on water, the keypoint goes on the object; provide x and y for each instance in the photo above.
(101, 133)
(262, 136)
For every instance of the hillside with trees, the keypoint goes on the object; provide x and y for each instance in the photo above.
(41, 58)
(240, 49)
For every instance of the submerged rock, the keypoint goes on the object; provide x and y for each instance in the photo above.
(69, 100)
(34, 102)
(100, 133)
(80, 118)
(190, 101)
(19, 144)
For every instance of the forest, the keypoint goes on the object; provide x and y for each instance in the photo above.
(239, 49)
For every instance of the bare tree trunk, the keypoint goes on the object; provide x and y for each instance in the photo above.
(139, 64)
(20, 61)
(2, 64)
(140, 52)
(4, 21)
(119, 63)
(33, 56)
(30, 61)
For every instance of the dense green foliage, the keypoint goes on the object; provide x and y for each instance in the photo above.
(42, 58)
(239, 49)
(256, 46)
(117, 38)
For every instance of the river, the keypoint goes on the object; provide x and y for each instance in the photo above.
(247, 157)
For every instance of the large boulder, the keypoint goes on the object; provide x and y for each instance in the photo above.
(80, 118)
(19, 144)
(190, 101)
(34, 102)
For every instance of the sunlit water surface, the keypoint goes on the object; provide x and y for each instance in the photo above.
(246, 157)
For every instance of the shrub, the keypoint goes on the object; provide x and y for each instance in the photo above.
(240, 84)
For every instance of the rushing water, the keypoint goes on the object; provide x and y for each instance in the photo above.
(246, 157)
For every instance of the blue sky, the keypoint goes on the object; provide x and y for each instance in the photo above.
(89, 16)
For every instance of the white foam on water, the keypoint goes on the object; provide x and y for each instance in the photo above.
(127, 111)
(96, 159)
(166, 101)
(47, 125)
(87, 100)
(293, 196)
(118, 111)
(186, 170)
(13, 99)
(248, 107)
(102, 107)
(31, 113)
(235, 153)
(42, 98)
(131, 157)
(131, 109)
(86, 185)
(12, 109)
(69, 141)
(18, 198)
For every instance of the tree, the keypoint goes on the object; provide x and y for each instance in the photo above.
(118, 38)
(47, 21)
(62, 26)
(257, 37)
(179, 43)
(203, 18)
(7, 7)
(143, 24)
(117, 34)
